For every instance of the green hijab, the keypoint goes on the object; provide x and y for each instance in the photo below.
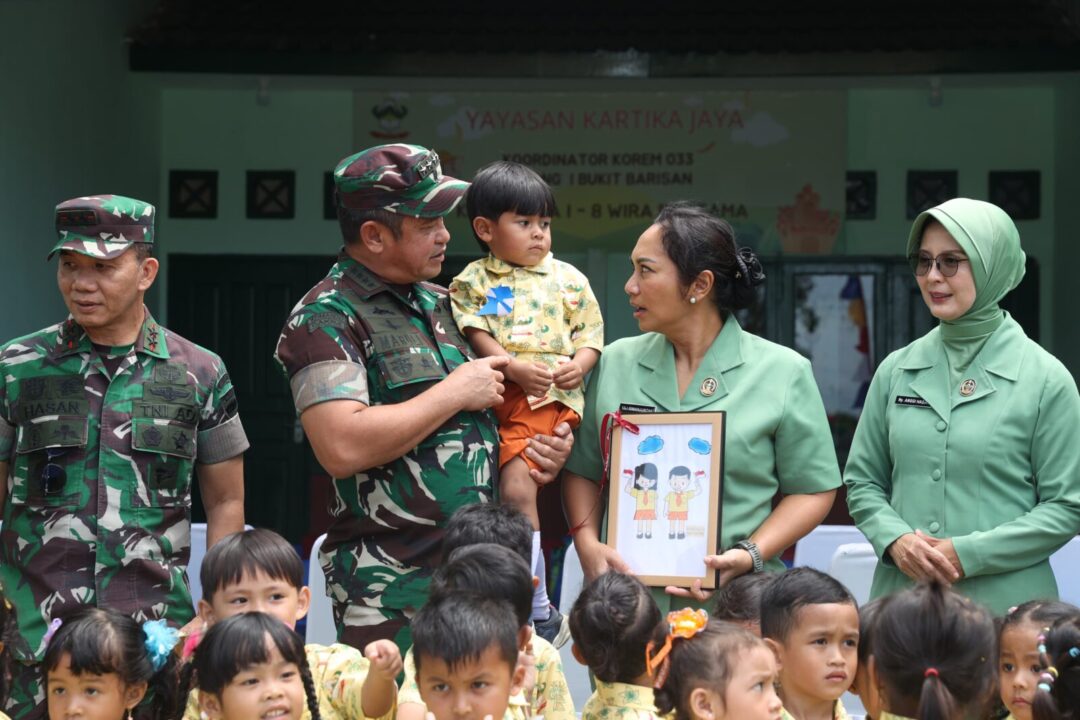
(992, 243)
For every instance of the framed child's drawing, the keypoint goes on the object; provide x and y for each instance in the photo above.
(664, 495)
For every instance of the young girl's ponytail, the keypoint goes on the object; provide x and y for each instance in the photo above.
(1058, 693)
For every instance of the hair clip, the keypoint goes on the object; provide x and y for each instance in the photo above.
(931, 671)
(1011, 610)
(1074, 652)
(53, 627)
(684, 624)
(160, 641)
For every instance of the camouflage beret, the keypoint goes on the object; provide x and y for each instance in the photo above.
(399, 178)
(103, 226)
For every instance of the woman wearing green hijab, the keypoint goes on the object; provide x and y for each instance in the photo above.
(965, 466)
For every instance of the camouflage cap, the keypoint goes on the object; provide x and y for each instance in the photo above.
(399, 178)
(103, 226)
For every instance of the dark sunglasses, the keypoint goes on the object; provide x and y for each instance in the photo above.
(53, 475)
(947, 264)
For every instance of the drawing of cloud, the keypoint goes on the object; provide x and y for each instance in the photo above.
(701, 447)
(760, 129)
(650, 445)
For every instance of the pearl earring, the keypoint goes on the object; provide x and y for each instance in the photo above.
(693, 300)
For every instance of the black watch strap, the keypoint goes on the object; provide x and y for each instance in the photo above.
(755, 554)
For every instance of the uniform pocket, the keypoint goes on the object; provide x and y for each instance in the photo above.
(50, 454)
(164, 451)
(408, 366)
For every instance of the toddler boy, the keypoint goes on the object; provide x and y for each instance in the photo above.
(520, 301)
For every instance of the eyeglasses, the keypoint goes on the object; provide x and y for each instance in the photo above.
(53, 475)
(946, 263)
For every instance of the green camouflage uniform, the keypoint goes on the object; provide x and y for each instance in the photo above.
(354, 337)
(100, 463)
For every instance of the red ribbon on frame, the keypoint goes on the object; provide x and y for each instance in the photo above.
(607, 429)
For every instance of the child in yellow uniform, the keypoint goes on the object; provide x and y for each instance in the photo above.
(812, 624)
(522, 302)
(612, 623)
(258, 570)
(641, 485)
(713, 671)
(487, 549)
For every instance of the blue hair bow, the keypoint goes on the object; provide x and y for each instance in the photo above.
(160, 641)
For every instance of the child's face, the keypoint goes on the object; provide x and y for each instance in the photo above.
(817, 661)
(645, 483)
(257, 593)
(679, 482)
(473, 690)
(271, 690)
(751, 690)
(518, 239)
(1019, 668)
(89, 696)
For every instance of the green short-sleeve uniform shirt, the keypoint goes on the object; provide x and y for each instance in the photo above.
(101, 447)
(777, 433)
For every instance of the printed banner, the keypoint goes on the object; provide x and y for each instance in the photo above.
(771, 163)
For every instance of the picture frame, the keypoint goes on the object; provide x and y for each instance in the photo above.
(679, 458)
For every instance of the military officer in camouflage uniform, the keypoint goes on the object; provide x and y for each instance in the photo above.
(103, 419)
(389, 394)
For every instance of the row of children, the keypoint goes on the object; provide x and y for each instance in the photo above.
(776, 646)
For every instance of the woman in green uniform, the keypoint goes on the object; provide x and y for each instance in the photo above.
(965, 466)
(688, 277)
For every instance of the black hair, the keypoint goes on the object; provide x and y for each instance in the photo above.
(679, 470)
(489, 523)
(239, 642)
(868, 615)
(491, 571)
(504, 186)
(350, 221)
(705, 660)
(460, 627)
(697, 240)
(739, 601)
(934, 651)
(100, 641)
(143, 250)
(647, 471)
(612, 622)
(1062, 643)
(793, 590)
(249, 552)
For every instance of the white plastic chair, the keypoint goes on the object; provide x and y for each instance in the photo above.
(320, 617)
(577, 675)
(816, 550)
(1065, 563)
(853, 565)
(198, 552)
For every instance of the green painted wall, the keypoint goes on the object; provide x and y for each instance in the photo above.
(973, 131)
(1067, 220)
(73, 121)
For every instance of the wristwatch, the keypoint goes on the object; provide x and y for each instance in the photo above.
(755, 554)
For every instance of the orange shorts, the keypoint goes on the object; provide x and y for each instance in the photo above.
(677, 515)
(518, 422)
